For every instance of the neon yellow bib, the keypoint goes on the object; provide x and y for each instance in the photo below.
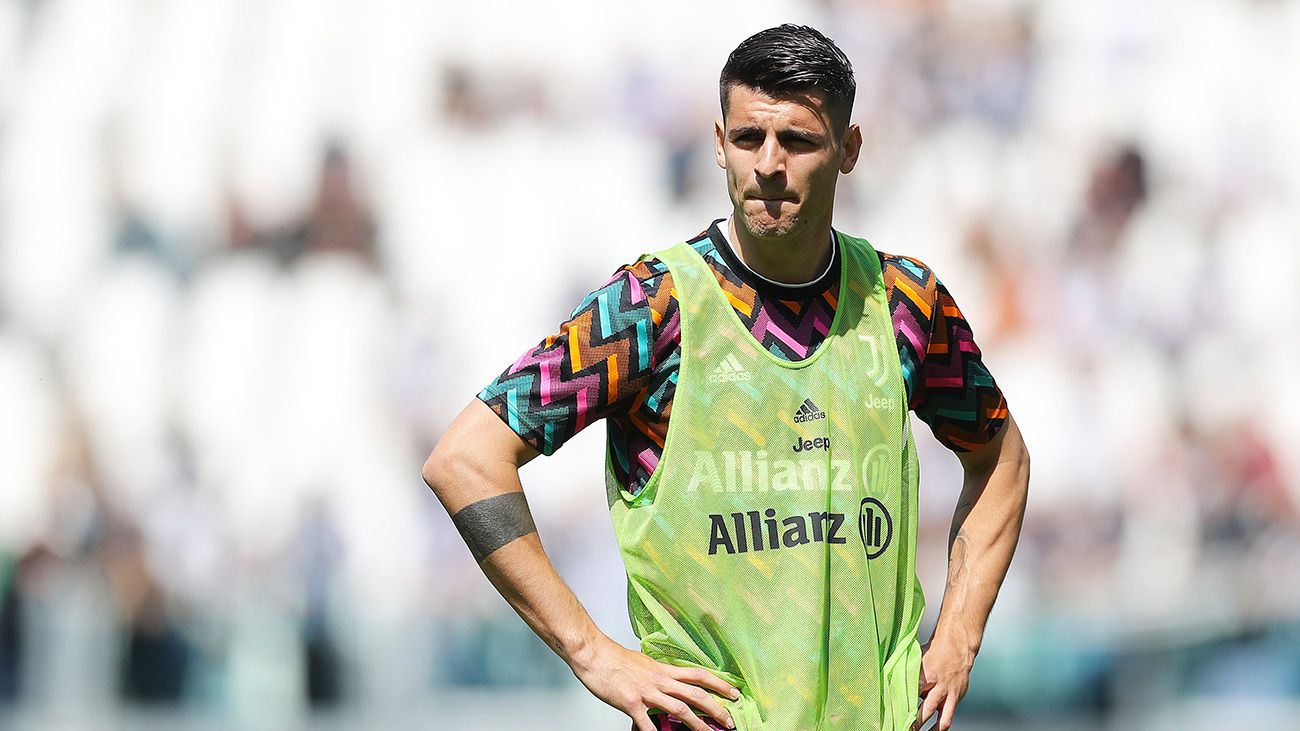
(775, 544)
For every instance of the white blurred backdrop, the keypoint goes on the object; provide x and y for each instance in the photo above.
(256, 254)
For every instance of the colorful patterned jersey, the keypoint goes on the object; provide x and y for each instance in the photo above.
(617, 355)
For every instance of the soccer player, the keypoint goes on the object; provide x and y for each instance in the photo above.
(761, 475)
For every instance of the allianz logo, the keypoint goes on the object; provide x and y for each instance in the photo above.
(729, 370)
(740, 537)
(875, 528)
(757, 471)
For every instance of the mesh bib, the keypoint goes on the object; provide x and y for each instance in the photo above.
(775, 543)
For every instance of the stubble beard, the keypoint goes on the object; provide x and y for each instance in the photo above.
(761, 225)
(788, 225)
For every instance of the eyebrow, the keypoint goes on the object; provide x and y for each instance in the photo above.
(802, 135)
(787, 134)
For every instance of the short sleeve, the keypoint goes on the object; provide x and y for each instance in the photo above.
(949, 386)
(593, 364)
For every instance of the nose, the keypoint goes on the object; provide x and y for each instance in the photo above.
(771, 158)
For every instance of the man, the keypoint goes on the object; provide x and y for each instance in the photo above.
(769, 527)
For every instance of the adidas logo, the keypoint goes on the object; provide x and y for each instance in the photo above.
(808, 411)
(729, 370)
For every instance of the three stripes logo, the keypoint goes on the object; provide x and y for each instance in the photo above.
(808, 411)
(875, 526)
(729, 370)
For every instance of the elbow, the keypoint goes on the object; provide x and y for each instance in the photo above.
(476, 455)
(432, 470)
(1024, 475)
(443, 462)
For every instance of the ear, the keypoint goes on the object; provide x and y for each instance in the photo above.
(852, 146)
(719, 134)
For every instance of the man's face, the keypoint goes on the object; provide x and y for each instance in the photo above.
(782, 157)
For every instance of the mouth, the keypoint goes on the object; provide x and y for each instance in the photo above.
(771, 198)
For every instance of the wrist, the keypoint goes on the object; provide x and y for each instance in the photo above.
(582, 650)
(964, 640)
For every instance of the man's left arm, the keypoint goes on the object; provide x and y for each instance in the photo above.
(985, 530)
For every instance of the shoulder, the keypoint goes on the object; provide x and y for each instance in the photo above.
(949, 385)
(912, 285)
(648, 271)
(652, 264)
(655, 279)
(643, 290)
(643, 285)
(914, 273)
(910, 276)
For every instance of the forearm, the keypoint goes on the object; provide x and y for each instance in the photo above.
(523, 574)
(486, 501)
(985, 530)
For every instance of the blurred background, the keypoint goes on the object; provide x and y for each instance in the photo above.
(256, 254)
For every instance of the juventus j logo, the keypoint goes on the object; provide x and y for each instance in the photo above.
(875, 526)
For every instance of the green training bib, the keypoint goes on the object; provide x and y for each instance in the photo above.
(775, 543)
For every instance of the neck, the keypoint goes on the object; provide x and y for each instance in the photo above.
(794, 259)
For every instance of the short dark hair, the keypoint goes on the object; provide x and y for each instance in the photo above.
(791, 59)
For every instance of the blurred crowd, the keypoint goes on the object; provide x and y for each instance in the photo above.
(254, 256)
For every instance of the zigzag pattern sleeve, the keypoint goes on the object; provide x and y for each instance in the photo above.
(949, 386)
(591, 367)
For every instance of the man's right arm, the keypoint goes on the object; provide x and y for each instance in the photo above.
(474, 471)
